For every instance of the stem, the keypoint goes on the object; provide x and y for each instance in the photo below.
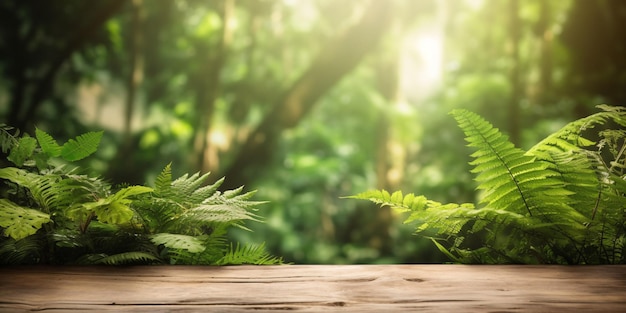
(83, 226)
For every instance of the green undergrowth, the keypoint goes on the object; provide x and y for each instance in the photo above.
(563, 201)
(52, 213)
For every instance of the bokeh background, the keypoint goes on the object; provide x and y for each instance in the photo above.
(308, 101)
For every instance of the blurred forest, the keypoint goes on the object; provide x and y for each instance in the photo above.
(308, 100)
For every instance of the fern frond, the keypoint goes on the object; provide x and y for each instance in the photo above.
(163, 182)
(113, 209)
(397, 201)
(248, 254)
(23, 251)
(124, 258)
(201, 194)
(23, 150)
(8, 140)
(221, 213)
(511, 179)
(48, 145)
(179, 242)
(233, 198)
(571, 136)
(81, 147)
(185, 185)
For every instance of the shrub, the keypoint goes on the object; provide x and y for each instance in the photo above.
(563, 201)
(51, 213)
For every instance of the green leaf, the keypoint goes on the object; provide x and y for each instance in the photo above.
(115, 212)
(163, 182)
(20, 222)
(23, 150)
(48, 145)
(18, 176)
(113, 209)
(178, 241)
(131, 191)
(132, 257)
(248, 254)
(81, 147)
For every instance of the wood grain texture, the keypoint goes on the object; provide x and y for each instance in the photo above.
(314, 288)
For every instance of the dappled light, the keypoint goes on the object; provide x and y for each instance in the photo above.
(308, 101)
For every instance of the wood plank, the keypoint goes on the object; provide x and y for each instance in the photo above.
(314, 288)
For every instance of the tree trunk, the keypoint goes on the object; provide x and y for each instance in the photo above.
(44, 86)
(206, 159)
(337, 58)
(514, 78)
(135, 76)
(545, 29)
(387, 156)
(121, 169)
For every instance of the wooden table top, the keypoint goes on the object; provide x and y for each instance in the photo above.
(314, 288)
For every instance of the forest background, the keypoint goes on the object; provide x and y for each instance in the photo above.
(308, 100)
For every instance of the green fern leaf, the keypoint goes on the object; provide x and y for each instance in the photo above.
(163, 182)
(128, 192)
(207, 213)
(113, 209)
(49, 191)
(511, 179)
(205, 192)
(19, 176)
(571, 136)
(48, 145)
(7, 140)
(23, 150)
(186, 185)
(123, 258)
(20, 222)
(19, 252)
(248, 254)
(410, 202)
(133, 257)
(81, 147)
(179, 242)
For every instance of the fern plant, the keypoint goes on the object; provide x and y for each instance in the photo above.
(563, 201)
(50, 213)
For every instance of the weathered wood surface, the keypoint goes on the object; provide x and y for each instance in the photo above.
(314, 288)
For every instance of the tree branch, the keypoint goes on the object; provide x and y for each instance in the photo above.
(43, 88)
(338, 57)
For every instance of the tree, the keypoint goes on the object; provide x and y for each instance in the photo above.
(336, 59)
(44, 47)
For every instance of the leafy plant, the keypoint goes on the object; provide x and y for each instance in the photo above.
(563, 201)
(51, 214)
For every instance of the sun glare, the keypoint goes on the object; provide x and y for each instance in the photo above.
(422, 70)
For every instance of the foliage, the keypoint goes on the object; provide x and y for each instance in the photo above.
(562, 201)
(51, 214)
(67, 65)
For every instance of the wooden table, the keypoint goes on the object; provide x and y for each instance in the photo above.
(315, 288)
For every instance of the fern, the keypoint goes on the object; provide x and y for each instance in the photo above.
(124, 258)
(54, 215)
(48, 145)
(113, 209)
(249, 254)
(23, 150)
(179, 242)
(8, 140)
(23, 251)
(558, 202)
(81, 147)
(187, 218)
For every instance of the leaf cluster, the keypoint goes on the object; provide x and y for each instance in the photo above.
(562, 201)
(53, 215)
